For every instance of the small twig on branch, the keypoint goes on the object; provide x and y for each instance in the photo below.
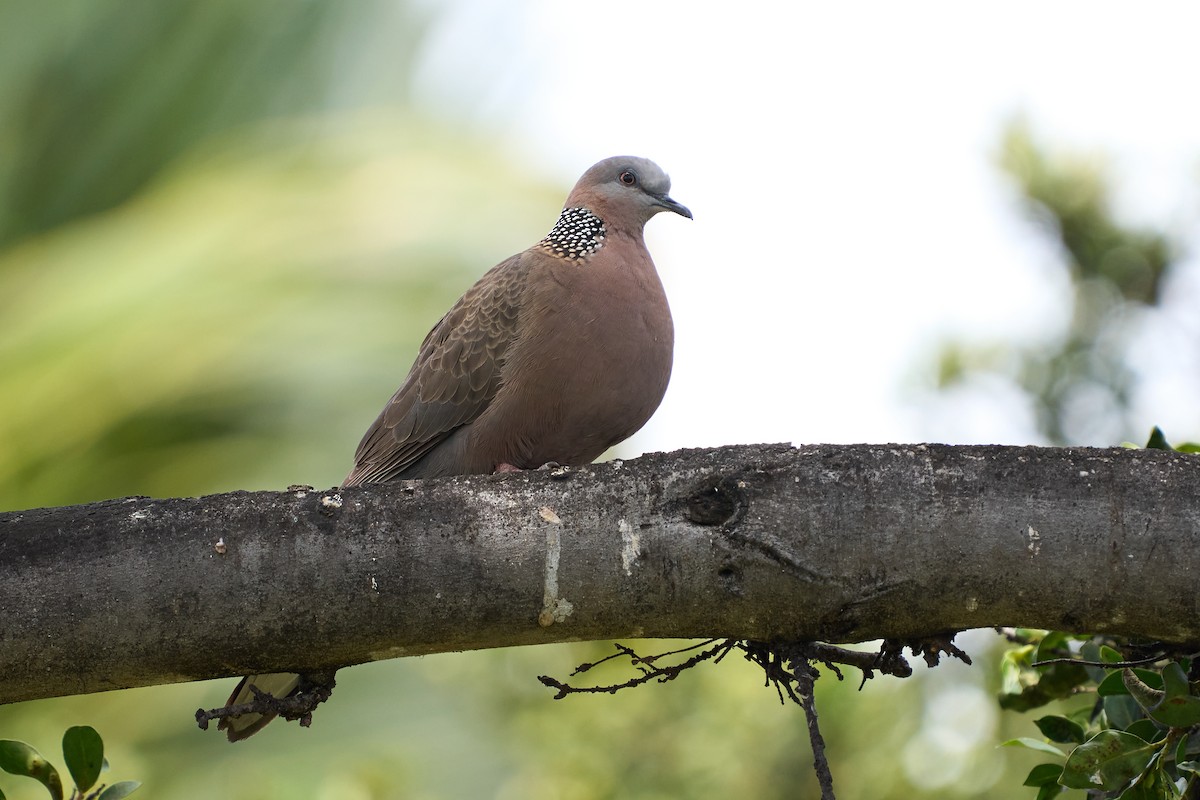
(313, 690)
(806, 675)
(889, 660)
(787, 666)
(1156, 651)
(797, 681)
(771, 658)
(1161, 651)
(1107, 664)
(638, 661)
(932, 648)
(648, 672)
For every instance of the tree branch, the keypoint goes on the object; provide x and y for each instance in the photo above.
(767, 543)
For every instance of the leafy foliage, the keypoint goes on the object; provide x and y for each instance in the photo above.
(83, 753)
(1158, 441)
(1139, 737)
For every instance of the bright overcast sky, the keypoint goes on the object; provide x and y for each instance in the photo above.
(839, 161)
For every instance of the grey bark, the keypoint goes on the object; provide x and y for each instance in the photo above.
(837, 543)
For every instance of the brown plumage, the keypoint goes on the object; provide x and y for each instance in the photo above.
(554, 355)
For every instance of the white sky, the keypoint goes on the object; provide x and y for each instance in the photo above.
(839, 161)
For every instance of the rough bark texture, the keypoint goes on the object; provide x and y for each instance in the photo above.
(839, 543)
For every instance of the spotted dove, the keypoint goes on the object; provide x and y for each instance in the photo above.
(554, 355)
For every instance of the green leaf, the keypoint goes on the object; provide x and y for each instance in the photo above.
(1152, 786)
(1146, 730)
(1109, 760)
(1034, 688)
(1055, 644)
(1175, 681)
(1181, 748)
(83, 750)
(1147, 696)
(1034, 744)
(1111, 685)
(1178, 708)
(1188, 447)
(19, 758)
(1049, 791)
(1114, 682)
(1090, 651)
(1121, 711)
(1109, 655)
(119, 790)
(1172, 705)
(1060, 729)
(1157, 440)
(1012, 664)
(1043, 774)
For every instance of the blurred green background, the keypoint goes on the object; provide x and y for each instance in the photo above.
(224, 229)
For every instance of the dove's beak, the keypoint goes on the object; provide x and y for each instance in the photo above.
(670, 205)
